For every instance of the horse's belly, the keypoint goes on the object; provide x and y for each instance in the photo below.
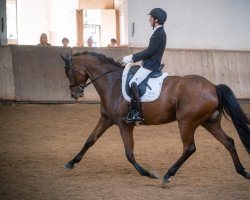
(154, 115)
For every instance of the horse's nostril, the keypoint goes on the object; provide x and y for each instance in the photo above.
(72, 96)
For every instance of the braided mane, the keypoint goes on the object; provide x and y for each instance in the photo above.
(102, 58)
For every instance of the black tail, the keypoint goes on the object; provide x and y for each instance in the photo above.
(229, 104)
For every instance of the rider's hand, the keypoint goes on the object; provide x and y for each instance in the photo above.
(128, 59)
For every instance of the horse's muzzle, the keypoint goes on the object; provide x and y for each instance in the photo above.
(76, 96)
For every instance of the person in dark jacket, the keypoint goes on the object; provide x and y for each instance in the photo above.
(151, 61)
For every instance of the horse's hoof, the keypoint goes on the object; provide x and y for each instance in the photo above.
(69, 166)
(153, 174)
(248, 175)
(165, 183)
(137, 124)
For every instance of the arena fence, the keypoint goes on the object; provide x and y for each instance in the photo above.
(36, 74)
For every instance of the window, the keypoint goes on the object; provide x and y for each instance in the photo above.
(92, 27)
(11, 21)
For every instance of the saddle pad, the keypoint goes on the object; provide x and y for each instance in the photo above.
(150, 94)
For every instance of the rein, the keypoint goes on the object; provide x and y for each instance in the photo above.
(92, 81)
(81, 86)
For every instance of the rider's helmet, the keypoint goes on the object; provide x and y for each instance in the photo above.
(160, 14)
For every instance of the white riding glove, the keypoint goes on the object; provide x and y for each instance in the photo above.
(128, 59)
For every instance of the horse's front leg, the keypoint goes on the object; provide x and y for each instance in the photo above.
(103, 124)
(126, 132)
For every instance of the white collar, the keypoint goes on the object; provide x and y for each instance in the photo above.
(155, 28)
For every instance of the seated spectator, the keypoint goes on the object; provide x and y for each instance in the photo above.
(43, 40)
(90, 41)
(65, 42)
(112, 43)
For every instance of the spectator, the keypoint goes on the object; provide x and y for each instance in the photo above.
(65, 42)
(90, 41)
(112, 43)
(44, 40)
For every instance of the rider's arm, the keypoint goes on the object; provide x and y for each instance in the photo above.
(154, 45)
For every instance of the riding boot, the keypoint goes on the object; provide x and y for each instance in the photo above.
(134, 114)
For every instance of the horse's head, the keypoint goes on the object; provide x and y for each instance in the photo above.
(76, 75)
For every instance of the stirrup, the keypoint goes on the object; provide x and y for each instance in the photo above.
(133, 117)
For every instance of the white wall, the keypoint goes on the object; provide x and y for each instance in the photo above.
(201, 24)
(108, 26)
(32, 20)
(122, 7)
(62, 21)
(56, 18)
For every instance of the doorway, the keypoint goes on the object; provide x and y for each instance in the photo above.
(98, 25)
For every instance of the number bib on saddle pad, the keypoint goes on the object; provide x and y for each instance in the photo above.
(149, 89)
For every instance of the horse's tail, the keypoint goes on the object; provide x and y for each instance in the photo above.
(229, 104)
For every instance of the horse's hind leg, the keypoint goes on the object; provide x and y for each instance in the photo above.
(126, 132)
(214, 127)
(103, 124)
(187, 136)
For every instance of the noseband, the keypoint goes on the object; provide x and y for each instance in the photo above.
(71, 67)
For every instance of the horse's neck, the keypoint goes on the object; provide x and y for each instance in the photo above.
(109, 78)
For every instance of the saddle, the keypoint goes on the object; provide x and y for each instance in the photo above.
(149, 89)
(144, 84)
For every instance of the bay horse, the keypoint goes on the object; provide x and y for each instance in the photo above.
(190, 100)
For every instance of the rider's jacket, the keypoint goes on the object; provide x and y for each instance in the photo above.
(151, 57)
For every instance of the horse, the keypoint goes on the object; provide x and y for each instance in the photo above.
(190, 100)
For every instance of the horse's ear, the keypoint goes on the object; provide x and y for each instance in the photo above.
(67, 55)
(64, 58)
(69, 59)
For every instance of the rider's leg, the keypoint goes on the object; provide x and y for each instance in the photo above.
(135, 97)
(134, 114)
(139, 76)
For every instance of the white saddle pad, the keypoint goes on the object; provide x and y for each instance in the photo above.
(154, 83)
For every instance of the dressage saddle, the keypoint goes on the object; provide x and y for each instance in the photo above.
(144, 84)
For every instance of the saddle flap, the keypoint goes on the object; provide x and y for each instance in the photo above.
(149, 89)
(144, 84)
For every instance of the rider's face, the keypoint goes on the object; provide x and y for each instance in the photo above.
(151, 20)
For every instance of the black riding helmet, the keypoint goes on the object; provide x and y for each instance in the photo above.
(159, 14)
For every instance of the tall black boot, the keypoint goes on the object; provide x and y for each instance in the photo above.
(134, 114)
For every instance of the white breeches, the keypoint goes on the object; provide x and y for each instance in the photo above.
(139, 76)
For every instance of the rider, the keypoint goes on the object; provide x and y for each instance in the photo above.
(151, 61)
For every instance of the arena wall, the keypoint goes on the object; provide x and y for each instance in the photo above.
(7, 85)
(36, 74)
(39, 74)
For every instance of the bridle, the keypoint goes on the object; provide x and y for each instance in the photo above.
(82, 86)
(72, 68)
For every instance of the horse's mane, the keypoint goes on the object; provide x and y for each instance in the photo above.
(102, 58)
